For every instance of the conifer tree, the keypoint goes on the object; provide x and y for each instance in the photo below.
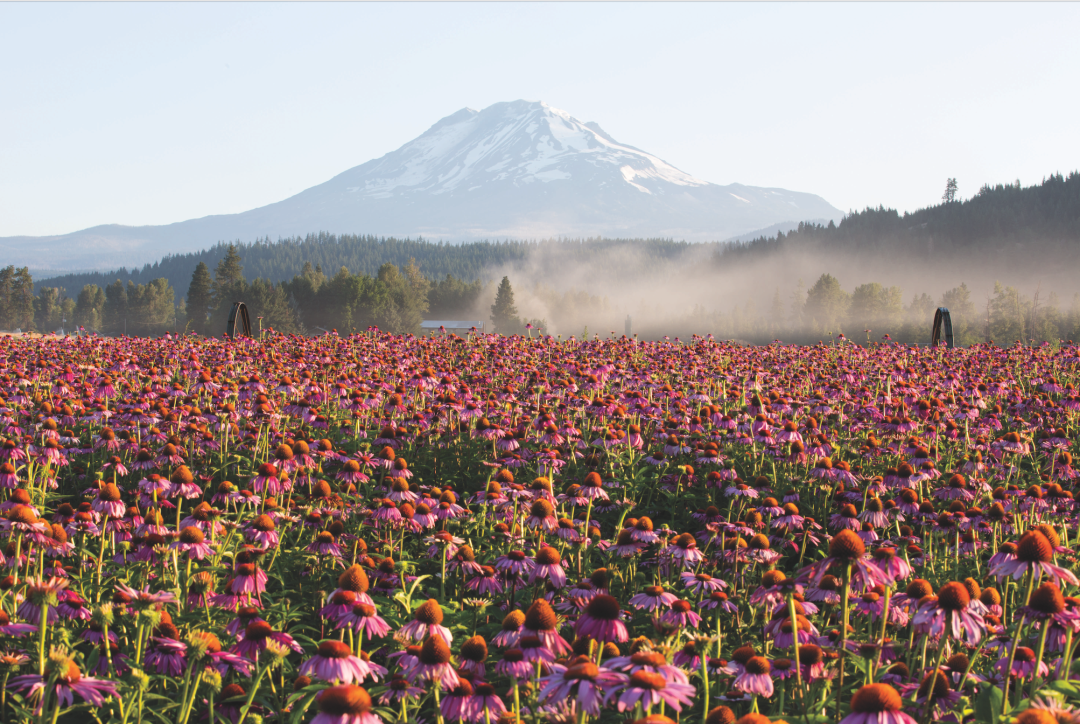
(504, 315)
(199, 298)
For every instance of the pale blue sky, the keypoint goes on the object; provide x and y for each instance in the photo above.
(152, 113)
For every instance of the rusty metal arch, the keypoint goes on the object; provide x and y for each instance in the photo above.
(942, 326)
(238, 310)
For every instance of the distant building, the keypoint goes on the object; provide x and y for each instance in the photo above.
(459, 328)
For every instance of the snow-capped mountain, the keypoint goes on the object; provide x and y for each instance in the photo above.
(520, 169)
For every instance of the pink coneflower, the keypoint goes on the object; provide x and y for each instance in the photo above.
(324, 545)
(350, 473)
(457, 704)
(1023, 665)
(167, 656)
(755, 677)
(443, 544)
(266, 479)
(487, 583)
(474, 653)
(69, 682)
(182, 483)
(346, 704)
(847, 548)
(71, 606)
(583, 681)
(542, 515)
(515, 562)
(433, 663)
(601, 620)
(701, 584)
(256, 634)
(533, 650)
(399, 688)
(18, 630)
(877, 704)
(334, 662)
(719, 599)
(193, 542)
(353, 580)
(144, 598)
(108, 501)
(651, 661)
(649, 689)
(952, 613)
(652, 598)
(513, 664)
(363, 617)
(681, 613)
(262, 531)
(684, 548)
(510, 631)
(487, 705)
(427, 622)
(892, 565)
(8, 478)
(40, 592)
(548, 566)
(249, 579)
(387, 514)
(1034, 553)
(542, 622)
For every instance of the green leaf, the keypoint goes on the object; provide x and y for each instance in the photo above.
(1064, 687)
(301, 709)
(988, 704)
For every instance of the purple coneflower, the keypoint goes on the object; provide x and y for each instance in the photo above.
(601, 620)
(649, 689)
(877, 704)
(427, 621)
(334, 662)
(583, 680)
(346, 704)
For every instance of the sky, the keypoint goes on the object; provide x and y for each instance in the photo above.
(153, 113)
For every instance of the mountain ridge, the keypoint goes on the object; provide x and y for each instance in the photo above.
(518, 169)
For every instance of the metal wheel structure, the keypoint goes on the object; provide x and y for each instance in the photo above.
(943, 333)
(239, 313)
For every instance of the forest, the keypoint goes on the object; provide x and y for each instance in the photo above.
(671, 289)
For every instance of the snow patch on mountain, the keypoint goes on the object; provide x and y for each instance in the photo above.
(520, 169)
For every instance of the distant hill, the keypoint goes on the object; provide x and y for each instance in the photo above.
(519, 170)
(1002, 225)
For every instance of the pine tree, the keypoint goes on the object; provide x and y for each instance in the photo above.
(199, 298)
(22, 299)
(950, 191)
(7, 278)
(504, 315)
(88, 308)
(115, 310)
(229, 286)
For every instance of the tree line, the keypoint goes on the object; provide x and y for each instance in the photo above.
(393, 299)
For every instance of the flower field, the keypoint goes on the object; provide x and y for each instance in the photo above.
(379, 528)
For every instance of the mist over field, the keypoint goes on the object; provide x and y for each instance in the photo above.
(1003, 284)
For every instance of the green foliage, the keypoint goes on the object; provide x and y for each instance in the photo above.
(504, 315)
(16, 299)
(200, 298)
(826, 304)
(875, 307)
(48, 309)
(138, 309)
(89, 307)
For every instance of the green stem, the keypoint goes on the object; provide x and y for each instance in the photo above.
(43, 628)
(1035, 679)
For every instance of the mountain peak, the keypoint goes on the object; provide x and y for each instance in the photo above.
(518, 169)
(516, 142)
